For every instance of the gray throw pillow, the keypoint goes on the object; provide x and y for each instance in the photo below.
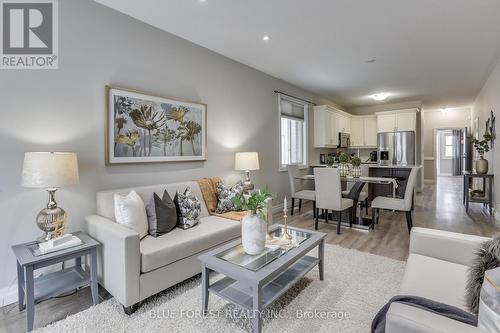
(487, 257)
(188, 209)
(225, 195)
(162, 214)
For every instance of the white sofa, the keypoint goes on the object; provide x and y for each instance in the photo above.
(437, 269)
(132, 269)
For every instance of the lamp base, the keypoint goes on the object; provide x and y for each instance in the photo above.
(247, 183)
(51, 220)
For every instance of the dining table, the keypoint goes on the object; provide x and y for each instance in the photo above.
(359, 222)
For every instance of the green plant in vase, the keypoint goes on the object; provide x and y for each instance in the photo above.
(356, 166)
(481, 147)
(253, 225)
(343, 166)
(330, 161)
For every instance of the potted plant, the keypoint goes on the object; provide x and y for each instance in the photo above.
(343, 165)
(253, 225)
(330, 161)
(481, 147)
(356, 166)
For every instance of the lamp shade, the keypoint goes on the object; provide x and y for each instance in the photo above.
(246, 161)
(49, 170)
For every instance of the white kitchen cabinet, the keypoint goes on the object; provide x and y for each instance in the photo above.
(406, 121)
(396, 121)
(328, 122)
(370, 131)
(357, 132)
(386, 123)
(363, 131)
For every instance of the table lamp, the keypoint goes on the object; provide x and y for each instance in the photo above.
(50, 171)
(246, 161)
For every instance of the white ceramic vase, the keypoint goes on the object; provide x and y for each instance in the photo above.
(253, 234)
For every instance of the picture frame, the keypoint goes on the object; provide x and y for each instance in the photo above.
(145, 128)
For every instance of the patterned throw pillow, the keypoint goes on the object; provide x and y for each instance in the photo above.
(225, 194)
(188, 209)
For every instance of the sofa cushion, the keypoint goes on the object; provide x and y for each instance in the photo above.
(188, 209)
(105, 200)
(162, 214)
(436, 279)
(179, 244)
(207, 187)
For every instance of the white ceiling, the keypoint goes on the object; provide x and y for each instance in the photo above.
(439, 52)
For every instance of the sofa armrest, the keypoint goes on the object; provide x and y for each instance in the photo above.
(445, 245)
(409, 319)
(119, 258)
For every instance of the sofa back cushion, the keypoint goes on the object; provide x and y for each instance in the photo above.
(105, 199)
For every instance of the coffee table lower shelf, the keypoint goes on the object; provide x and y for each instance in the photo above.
(241, 294)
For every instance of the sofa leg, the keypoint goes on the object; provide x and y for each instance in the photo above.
(129, 310)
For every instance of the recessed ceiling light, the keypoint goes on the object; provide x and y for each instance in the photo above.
(371, 61)
(202, 0)
(444, 110)
(380, 96)
(266, 38)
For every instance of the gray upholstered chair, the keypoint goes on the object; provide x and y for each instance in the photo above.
(297, 190)
(329, 194)
(396, 204)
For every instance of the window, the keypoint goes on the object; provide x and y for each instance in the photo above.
(448, 145)
(293, 132)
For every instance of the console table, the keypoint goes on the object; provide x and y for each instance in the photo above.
(56, 283)
(487, 199)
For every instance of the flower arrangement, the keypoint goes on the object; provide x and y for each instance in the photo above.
(330, 161)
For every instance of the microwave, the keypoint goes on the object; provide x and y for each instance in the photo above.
(344, 140)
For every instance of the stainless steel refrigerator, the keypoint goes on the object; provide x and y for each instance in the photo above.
(398, 147)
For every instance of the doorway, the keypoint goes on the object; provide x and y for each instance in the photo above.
(449, 152)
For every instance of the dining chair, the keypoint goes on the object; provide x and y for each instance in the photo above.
(329, 195)
(396, 204)
(363, 195)
(297, 189)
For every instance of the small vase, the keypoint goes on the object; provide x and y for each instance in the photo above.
(481, 165)
(253, 234)
(343, 169)
(356, 171)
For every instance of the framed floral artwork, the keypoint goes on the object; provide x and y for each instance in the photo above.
(144, 128)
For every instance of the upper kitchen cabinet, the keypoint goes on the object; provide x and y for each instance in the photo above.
(397, 121)
(363, 131)
(328, 123)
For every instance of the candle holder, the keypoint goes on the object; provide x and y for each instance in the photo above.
(286, 235)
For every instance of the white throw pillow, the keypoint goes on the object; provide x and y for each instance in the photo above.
(131, 212)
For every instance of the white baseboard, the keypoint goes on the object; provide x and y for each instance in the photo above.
(429, 181)
(8, 295)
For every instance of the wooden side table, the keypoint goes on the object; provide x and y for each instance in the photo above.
(31, 290)
(488, 199)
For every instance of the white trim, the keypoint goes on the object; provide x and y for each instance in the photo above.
(8, 295)
(429, 181)
(429, 158)
(412, 110)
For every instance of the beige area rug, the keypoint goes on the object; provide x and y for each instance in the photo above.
(355, 287)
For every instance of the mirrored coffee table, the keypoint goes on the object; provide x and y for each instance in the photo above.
(255, 282)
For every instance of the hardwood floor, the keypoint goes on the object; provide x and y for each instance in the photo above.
(438, 206)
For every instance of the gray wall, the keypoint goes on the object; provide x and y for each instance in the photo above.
(64, 110)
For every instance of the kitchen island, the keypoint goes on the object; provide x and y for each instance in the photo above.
(400, 172)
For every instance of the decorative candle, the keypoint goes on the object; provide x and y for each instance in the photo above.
(284, 204)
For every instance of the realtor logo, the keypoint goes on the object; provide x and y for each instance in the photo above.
(29, 34)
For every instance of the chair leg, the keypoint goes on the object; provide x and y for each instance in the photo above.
(338, 224)
(373, 218)
(291, 208)
(353, 211)
(314, 208)
(326, 215)
(366, 206)
(378, 215)
(317, 218)
(300, 205)
(408, 220)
